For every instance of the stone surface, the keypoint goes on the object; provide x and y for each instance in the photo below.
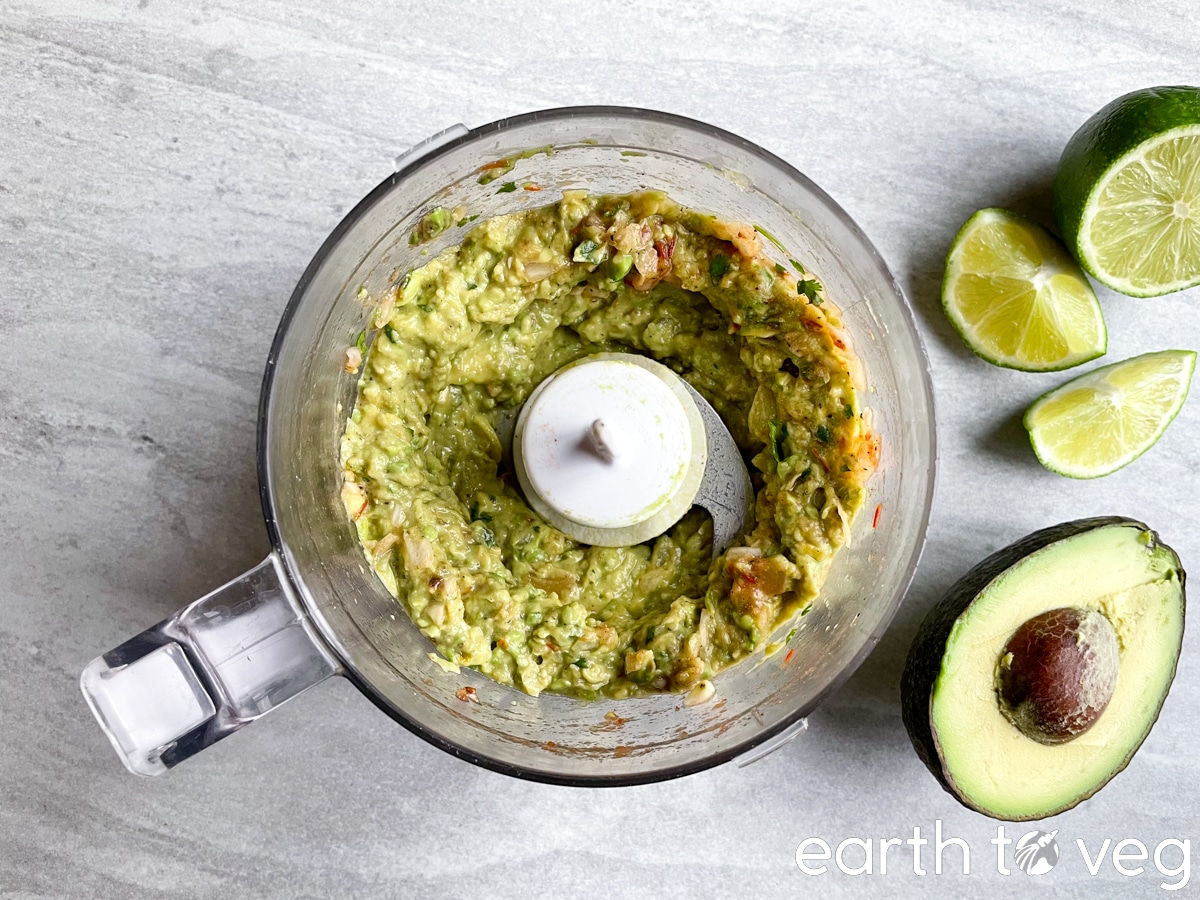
(166, 171)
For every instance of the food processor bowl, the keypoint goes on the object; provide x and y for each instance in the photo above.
(315, 609)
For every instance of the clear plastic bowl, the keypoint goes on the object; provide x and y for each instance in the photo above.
(360, 630)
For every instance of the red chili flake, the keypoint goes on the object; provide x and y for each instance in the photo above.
(530, 186)
(875, 521)
(467, 695)
(787, 659)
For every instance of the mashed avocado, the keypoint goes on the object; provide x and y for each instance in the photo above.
(470, 335)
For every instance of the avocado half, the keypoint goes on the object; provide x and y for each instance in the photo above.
(952, 690)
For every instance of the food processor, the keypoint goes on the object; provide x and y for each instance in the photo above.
(314, 609)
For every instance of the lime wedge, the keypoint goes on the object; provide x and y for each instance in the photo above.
(1017, 298)
(1127, 192)
(1108, 417)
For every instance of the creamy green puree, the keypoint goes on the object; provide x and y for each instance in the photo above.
(472, 332)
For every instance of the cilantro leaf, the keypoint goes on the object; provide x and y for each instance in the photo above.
(777, 432)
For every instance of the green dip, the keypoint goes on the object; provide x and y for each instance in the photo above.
(475, 330)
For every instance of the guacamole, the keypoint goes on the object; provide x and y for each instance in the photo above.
(465, 338)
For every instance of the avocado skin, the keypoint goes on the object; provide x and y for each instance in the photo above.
(925, 655)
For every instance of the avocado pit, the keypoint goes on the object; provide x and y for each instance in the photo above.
(1057, 674)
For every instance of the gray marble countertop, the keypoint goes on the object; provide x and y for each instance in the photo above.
(166, 172)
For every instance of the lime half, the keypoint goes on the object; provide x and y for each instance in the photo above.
(1108, 417)
(1127, 193)
(1017, 298)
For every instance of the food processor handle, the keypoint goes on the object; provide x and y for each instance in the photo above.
(210, 669)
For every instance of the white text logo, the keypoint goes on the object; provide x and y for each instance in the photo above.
(1035, 853)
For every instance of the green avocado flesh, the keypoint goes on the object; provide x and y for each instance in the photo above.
(467, 337)
(950, 690)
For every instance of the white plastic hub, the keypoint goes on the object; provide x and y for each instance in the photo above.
(606, 443)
